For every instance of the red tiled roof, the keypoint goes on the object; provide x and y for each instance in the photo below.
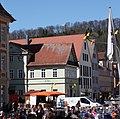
(52, 54)
(77, 40)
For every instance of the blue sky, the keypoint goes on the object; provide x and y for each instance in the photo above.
(41, 13)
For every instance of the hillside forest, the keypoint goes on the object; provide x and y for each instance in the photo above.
(98, 29)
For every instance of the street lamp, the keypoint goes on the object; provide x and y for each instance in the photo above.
(117, 51)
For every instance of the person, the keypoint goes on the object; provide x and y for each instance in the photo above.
(33, 110)
(78, 104)
(27, 103)
(86, 116)
(113, 114)
(112, 100)
(40, 111)
(51, 114)
(94, 112)
(9, 107)
(15, 106)
(46, 114)
(1, 113)
(31, 116)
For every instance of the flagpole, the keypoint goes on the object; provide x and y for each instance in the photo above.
(109, 39)
(112, 43)
(117, 51)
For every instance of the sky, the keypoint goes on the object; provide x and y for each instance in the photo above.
(31, 14)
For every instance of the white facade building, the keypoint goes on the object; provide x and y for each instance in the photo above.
(38, 67)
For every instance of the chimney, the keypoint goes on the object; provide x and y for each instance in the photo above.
(27, 40)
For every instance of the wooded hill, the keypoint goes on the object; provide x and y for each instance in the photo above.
(98, 30)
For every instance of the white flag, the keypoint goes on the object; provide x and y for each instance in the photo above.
(109, 40)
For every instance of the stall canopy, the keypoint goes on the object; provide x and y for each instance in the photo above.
(44, 93)
(40, 94)
(31, 91)
(56, 93)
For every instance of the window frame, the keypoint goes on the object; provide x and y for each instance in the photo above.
(43, 73)
(85, 46)
(55, 72)
(32, 74)
(20, 74)
(11, 73)
(11, 58)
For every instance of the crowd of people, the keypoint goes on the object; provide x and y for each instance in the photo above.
(49, 111)
(101, 112)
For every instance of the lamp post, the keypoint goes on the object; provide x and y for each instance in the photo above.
(117, 51)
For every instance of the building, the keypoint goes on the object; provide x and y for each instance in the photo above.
(54, 68)
(105, 76)
(95, 72)
(18, 71)
(5, 19)
(84, 70)
(50, 67)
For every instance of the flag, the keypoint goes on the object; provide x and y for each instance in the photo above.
(87, 35)
(110, 35)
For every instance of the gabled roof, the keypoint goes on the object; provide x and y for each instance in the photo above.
(77, 40)
(3, 12)
(91, 47)
(52, 54)
(30, 49)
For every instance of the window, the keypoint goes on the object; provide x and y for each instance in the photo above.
(90, 83)
(93, 78)
(85, 57)
(11, 58)
(93, 66)
(31, 73)
(94, 55)
(11, 74)
(80, 70)
(3, 63)
(54, 72)
(3, 32)
(90, 71)
(43, 73)
(80, 82)
(85, 71)
(96, 80)
(84, 82)
(85, 45)
(20, 92)
(20, 73)
(83, 100)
